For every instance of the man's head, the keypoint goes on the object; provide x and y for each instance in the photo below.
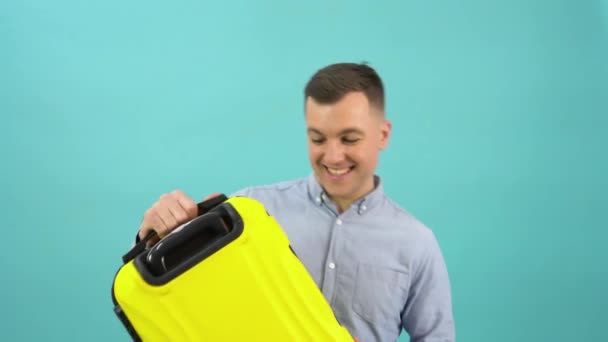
(346, 128)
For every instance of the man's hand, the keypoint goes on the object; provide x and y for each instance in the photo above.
(169, 212)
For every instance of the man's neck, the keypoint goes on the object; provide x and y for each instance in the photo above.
(342, 205)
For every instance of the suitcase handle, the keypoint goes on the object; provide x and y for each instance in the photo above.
(203, 207)
(176, 249)
(196, 241)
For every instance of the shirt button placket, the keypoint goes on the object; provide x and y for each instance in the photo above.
(330, 274)
(332, 265)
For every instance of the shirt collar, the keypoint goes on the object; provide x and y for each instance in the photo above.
(318, 195)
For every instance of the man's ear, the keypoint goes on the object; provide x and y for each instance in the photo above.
(385, 133)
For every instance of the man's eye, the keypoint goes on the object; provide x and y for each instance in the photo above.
(317, 141)
(349, 141)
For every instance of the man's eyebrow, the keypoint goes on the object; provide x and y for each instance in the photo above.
(342, 132)
(314, 130)
(351, 130)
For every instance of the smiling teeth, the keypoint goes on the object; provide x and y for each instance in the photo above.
(338, 172)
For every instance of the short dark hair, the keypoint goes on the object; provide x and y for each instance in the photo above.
(329, 84)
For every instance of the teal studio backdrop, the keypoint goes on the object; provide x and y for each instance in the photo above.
(499, 143)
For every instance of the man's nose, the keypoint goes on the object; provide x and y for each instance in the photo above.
(334, 153)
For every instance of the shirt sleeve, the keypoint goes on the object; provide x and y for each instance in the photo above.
(428, 315)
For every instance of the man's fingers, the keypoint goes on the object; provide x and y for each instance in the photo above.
(170, 211)
(165, 219)
(187, 205)
(148, 223)
(180, 214)
(162, 222)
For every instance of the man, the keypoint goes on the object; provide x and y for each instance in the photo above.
(380, 269)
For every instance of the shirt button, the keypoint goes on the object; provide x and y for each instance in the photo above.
(332, 265)
(363, 207)
(338, 222)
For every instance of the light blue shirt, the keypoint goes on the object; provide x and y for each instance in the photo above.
(380, 269)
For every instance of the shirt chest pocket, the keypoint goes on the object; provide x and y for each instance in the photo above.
(380, 294)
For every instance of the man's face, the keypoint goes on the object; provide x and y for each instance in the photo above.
(344, 142)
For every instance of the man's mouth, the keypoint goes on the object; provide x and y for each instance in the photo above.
(338, 172)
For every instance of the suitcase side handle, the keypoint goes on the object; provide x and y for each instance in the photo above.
(203, 207)
(177, 248)
(196, 241)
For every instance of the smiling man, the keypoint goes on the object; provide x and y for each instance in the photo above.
(380, 269)
(345, 136)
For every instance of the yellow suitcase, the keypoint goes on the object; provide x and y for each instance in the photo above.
(229, 275)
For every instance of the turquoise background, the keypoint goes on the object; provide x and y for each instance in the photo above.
(499, 142)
